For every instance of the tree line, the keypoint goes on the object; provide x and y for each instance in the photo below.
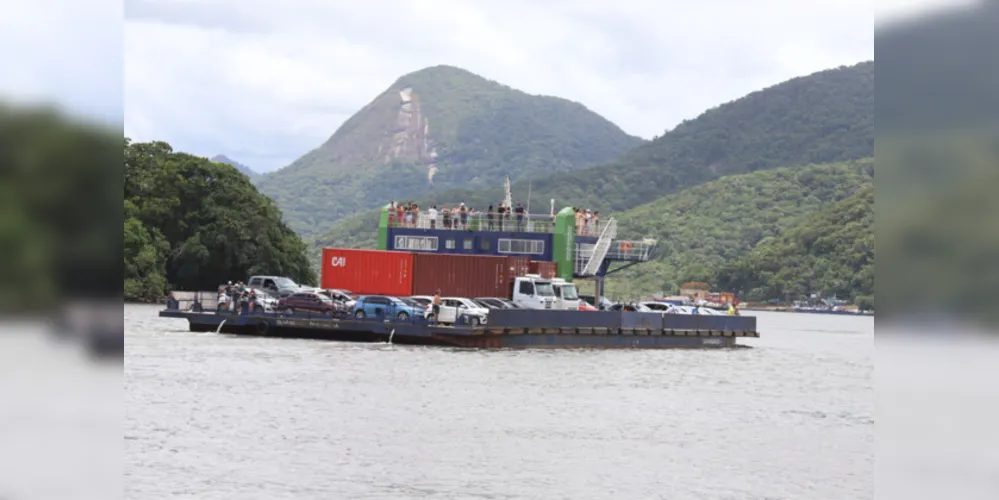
(191, 224)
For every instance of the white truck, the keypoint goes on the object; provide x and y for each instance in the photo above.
(566, 295)
(531, 291)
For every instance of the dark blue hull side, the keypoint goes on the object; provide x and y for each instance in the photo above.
(631, 332)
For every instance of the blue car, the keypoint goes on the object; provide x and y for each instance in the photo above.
(383, 306)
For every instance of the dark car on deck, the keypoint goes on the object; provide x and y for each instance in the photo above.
(308, 302)
(495, 303)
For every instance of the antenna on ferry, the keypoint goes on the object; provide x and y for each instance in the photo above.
(530, 182)
(508, 199)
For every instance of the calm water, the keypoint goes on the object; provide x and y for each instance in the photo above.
(214, 416)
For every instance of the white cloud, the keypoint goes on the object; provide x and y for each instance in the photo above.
(264, 82)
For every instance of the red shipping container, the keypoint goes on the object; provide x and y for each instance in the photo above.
(368, 272)
(457, 275)
(521, 265)
(546, 270)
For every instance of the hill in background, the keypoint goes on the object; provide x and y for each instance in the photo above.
(439, 128)
(830, 253)
(247, 171)
(821, 118)
(705, 228)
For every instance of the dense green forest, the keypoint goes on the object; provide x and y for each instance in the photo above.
(474, 130)
(58, 212)
(821, 118)
(704, 228)
(192, 224)
(829, 253)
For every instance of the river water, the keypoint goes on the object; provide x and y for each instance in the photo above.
(216, 416)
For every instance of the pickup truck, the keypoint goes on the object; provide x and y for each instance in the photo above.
(279, 286)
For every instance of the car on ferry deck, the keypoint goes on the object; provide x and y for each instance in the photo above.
(453, 308)
(344, 297)
(307, 302)
(399, 308)
(605, 303)
(496, 303)
(629, 308)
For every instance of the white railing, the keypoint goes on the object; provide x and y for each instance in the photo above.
(601, 248)
(480, 222)
(583, 253)
(634, 250)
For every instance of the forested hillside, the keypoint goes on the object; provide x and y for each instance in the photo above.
(829, 253)
(437, 128)
(705, 228)
(192, 224)
(821, 118)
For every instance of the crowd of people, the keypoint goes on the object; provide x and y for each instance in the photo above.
(499, 217)
(408, 214)
(587, 221)
(236, 296)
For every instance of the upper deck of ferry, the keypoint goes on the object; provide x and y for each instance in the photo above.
(580, 249)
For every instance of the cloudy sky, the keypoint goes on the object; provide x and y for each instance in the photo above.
(265, 81)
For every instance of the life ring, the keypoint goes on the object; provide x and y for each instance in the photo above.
(625, 246)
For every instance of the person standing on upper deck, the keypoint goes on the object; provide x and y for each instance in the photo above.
(432, 215)
(520, 217)
(491, 218)
(463, 214)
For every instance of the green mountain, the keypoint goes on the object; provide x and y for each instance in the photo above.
(821, 118)
(831, 252)
(704, 228)
(434, 129)
(247, 171)
(192, 224)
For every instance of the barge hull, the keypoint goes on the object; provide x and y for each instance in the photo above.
(486, 337)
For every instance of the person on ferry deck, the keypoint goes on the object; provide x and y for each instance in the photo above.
(437, 305)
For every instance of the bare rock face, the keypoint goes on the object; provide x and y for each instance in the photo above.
(410, 138)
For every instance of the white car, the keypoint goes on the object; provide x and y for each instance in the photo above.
(454, 307)
(338, 295)
(427, 301)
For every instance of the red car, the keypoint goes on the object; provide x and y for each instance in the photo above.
(307, 302)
